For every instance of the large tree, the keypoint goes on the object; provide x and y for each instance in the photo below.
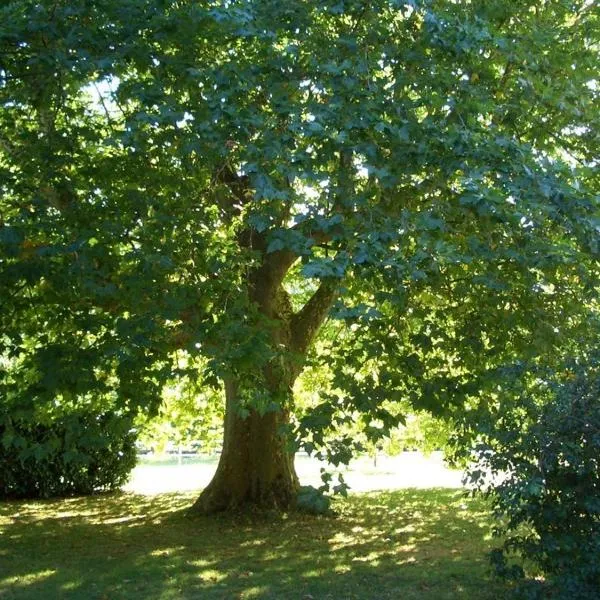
(220, 177)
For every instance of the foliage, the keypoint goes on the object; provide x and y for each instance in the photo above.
(545, 488)
(418, 430)
(190, 416)
(422, 432)
(423, 172)
(63, 430)
(79, 450)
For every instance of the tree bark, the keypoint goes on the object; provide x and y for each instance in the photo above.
(256, 467)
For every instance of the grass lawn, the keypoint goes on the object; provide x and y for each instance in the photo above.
(405, 544)
(159, 474)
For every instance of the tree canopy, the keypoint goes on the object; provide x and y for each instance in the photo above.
(219, 178)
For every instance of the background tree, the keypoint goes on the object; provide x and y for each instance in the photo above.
(190, 417)
(223, 177)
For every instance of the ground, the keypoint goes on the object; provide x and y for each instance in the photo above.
(409, 544)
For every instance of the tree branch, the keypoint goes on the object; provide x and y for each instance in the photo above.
(308, 320)
(278, 264)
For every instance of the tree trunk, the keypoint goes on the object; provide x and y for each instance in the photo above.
(256, 468)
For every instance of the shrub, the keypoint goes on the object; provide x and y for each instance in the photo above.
(546, 492)
(73, 453)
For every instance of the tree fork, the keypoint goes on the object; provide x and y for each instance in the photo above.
(256, 467)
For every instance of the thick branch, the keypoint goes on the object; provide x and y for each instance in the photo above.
(308, 320)
(276, 265)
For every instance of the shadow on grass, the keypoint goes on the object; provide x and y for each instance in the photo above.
(426, 544)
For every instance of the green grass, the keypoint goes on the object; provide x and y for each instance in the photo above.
(409, 544)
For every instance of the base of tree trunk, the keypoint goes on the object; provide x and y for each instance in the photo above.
(221, 496)
(256, 469)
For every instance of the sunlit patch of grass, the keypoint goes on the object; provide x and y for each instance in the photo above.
(409, 544)
(28, 578)
(211, 576)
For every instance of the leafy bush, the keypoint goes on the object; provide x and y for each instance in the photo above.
(546, 491)
(80, 451)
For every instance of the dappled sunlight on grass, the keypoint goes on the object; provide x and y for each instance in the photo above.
(422, 543)
(29, 578)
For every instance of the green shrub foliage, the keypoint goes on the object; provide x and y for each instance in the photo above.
(546, 493)
(76, 452)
